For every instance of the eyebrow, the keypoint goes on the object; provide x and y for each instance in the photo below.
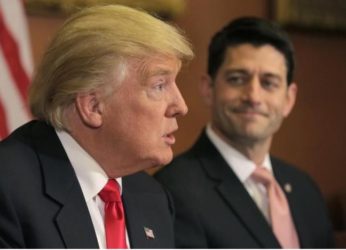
(273, 75)
(159, 71)
(241, 71)
(247, 72)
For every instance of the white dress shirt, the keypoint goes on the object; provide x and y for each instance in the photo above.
(243, 168)
(92, 179)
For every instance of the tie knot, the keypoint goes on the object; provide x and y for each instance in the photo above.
(110, 192)
(263, 176)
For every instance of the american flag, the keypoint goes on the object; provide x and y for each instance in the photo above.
(149, 233)
(16, 66)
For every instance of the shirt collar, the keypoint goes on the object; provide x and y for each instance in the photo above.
(239, 163)
(92, 178)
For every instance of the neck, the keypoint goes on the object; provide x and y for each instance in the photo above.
(254, 150)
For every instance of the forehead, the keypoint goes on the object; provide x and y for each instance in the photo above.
(157, 65)
(257, 57)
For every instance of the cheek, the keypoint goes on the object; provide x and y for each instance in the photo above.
(278, 111)
(227, 95)
(279, 103)
(147, 121)
(224, 102)
(140, 118)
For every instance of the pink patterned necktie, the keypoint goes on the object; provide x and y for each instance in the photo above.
(114, 215)
(282, 223)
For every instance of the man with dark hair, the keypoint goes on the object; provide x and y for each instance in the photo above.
(229, 192)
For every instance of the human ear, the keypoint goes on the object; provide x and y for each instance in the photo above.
(89, 107)
(290, 98)
(206, 89)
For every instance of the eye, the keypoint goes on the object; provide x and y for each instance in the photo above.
(270, 84)
(236, 79)
(159, 87)
(159, 84)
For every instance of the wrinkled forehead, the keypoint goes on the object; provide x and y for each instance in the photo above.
(156, 65)
(253, 48)
(265, 55)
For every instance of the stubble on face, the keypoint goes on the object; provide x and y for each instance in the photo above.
(245, 125)
(248, 112)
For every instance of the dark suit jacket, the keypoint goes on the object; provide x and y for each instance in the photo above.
(214, 210)
(42, 205)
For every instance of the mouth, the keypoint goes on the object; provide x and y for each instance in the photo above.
(169, 138)
(248, 112)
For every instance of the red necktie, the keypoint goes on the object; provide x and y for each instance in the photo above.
(282, 223)
(114, 215)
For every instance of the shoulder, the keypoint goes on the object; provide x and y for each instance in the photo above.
(287, 172)
(282, 167)
(18, 139)
(187, 179)
(142, 182)
(145, 192)
(25, 136)
(23, 141)
(19, 153)
(182, 167)
(21, 181)
(17, 150)
(189, 162)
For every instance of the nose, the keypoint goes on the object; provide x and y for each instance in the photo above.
(177, 106)
(252, 91)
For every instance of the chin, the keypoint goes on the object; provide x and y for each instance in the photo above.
(164, 159)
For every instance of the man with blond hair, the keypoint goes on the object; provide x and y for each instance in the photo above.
(106, 103)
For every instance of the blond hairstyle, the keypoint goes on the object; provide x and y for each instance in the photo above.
(89, 47)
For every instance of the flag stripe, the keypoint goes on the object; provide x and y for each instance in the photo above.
(3, 125)
(11, 54)
(15, 109)
(16, 66)
(15, 19)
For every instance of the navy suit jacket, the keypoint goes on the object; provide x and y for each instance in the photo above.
(214, 210)
(42, 205)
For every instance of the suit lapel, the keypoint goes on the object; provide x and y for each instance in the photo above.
(73, 219)
(290, 189)
(147, 226)
(248, 213)
(134, 221)
(234, 193)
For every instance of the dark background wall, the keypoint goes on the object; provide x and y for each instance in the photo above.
(313, 137)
